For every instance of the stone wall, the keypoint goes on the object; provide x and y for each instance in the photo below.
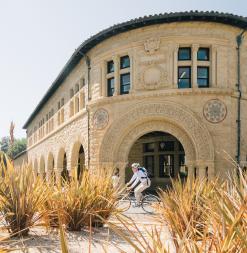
(204, 119)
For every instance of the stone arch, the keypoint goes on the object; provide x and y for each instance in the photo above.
(50, 165)
(77, 157)
(60, 158)
(157, 116)
(62, 164)
(42, 169)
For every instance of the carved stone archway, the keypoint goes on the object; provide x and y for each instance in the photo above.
(164, 116)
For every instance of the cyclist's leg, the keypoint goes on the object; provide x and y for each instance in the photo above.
(138, 192)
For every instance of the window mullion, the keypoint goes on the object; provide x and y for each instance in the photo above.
(116, 76)
(195, 48)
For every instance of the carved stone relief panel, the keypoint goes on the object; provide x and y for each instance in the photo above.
(152, 64)
(100, 118)
(214, 111)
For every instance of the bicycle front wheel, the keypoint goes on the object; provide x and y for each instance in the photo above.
(124, 204)
(149, 202)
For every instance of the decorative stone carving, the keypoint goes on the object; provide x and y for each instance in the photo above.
(100, 119)
(151, 45)
(153, 77)
(214, 111)
(166, 111)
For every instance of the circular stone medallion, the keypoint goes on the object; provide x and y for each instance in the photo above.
(214, 111)
(100, 118)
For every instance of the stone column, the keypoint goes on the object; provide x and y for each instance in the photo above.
(190, 167)
(58, 172)
(116, 76)
(175, 66)
(194, 65)
(201, 172)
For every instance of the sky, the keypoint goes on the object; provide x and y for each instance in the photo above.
(37, 37)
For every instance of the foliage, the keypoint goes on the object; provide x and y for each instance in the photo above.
(13, 150)
(19, 146)
(22, 197)
(82, 202)
(4, 144)
(200, 216)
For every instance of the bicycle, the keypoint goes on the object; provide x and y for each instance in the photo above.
(148, 202)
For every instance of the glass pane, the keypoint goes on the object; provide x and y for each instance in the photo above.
(203, 54)
(184, 53)
(110, 67)
(184, 83)
(125, 83)
(124, 62)
(202, 72)
(202, 83)
(184, 72)
(110, 87)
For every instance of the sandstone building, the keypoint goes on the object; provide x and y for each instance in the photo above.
(168, 91)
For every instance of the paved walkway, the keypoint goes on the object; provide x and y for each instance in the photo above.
(101, 240)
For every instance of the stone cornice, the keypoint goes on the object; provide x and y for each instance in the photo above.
(160, 93)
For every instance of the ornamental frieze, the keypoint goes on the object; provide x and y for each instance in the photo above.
(214, 111)
(170, 112)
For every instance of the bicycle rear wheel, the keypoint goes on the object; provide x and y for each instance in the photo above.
(124, 204)
(149, 202)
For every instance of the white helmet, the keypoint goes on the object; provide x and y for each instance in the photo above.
(135, 165)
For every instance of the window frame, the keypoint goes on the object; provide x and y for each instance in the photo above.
(123, 85)
(121, 62)
(190, 84)
(203, 67)
(112, 89)
(189, 48)
(109, 71)
(208, 51)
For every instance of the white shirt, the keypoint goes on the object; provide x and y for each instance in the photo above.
(115, 181)
(138, 176)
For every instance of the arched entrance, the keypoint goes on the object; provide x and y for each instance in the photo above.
(162, 154)
(162, 116)
(78, 158)
(50, 167)
(65, 172)
(81, 162)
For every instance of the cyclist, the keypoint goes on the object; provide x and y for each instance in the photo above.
(140, 175)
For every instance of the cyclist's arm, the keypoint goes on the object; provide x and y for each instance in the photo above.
(132, 179)
(135, 183)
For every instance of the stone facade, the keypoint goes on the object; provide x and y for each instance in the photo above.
(202, 119)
